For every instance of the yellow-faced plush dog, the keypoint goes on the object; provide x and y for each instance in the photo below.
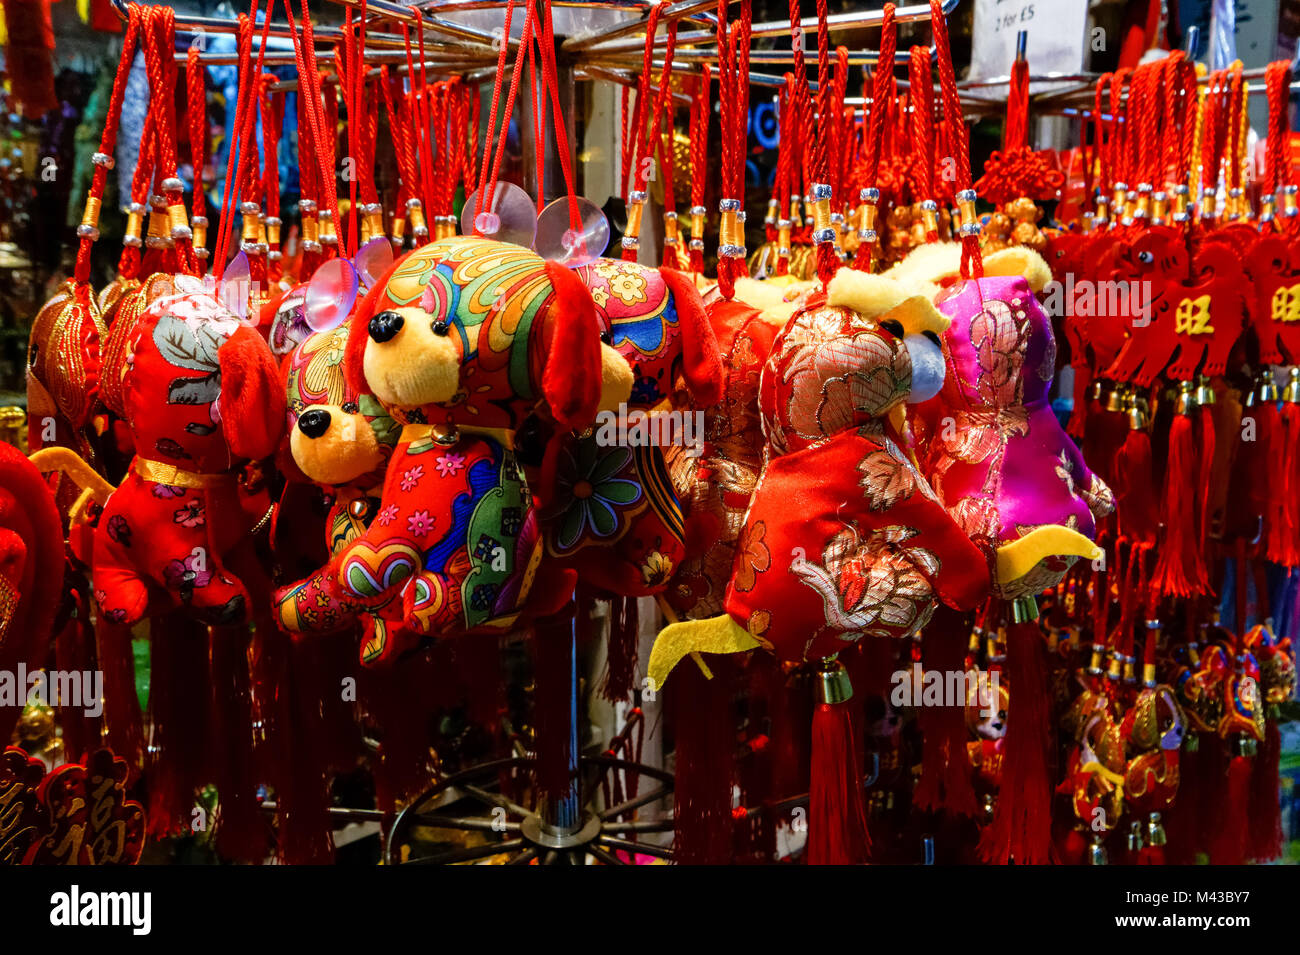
(461, 341)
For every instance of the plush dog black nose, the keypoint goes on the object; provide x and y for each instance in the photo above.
(385, 325)
(314, 423)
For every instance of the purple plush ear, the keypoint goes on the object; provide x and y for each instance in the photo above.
(701, 360)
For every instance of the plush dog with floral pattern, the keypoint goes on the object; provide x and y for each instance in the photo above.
(461, 341)
(341, 441)
(202, 400)
(610, 510)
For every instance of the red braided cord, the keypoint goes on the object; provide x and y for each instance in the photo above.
(484, 198)
(972, 264)
(624, 139)
(196, 111)
(1277, 82)
(422, 109)
(108, 140)
(243, 124)
(526, 37)
(1016, 132)
(920, 92)
(1235, 145)
(1118, 129)
(699, 133)
(635, 144)
(1099, 133)
(549, 74)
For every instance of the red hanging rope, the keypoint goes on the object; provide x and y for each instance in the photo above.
(196, 112)
(699, 135)
(972, 263)
(88, 232)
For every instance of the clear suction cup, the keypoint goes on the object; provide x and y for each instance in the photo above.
(330, 294)
(570, 247)
(373, 260)
(235, 286)
(512, 218)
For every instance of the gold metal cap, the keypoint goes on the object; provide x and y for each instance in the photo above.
(833, 685)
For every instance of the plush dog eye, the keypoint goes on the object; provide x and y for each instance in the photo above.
(441, 328)
(607, 338)
(350, 407)
(894, 328)
(1146, 257)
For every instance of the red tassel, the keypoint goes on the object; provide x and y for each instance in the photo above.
(704, 734)
(621, 655)
(241, 833)
(1209, 439)
(1284, 545)
(553, 701)
(1228, 845)
(1135, 488)
(1179, 569)
(1265, 798)
(1021, 830)
(404, 700)
(179, 718)
(945, 770)
(837, 814)
(123, 722)
(478, 665)
(28, 50)
(74, 651)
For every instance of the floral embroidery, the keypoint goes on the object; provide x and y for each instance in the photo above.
(419, 523)
(119, 530)
(387, 515)
(449, 464)
(657, 569)
(166, 490)
(753, 555)
(877, 586)
(590, 492)
(628, 288)
(191, 515)
(187, 575)
(600, 296)
(411, 477)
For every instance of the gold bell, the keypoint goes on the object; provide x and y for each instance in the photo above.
(1116, 398)
(1024, 609)
(1155, 830)
(1134, 839)
(833, 682)
(1097, 851)
(1291, 392)
(1137, 416)
(1266, 386)
(1204, 390)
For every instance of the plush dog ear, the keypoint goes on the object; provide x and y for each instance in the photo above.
(252, 396)
(701, 360)
(359, 332)
(571, 375)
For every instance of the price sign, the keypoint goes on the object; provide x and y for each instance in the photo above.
(1056, 37)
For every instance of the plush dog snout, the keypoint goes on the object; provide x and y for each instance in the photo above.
(385, 325)
(314, 423)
